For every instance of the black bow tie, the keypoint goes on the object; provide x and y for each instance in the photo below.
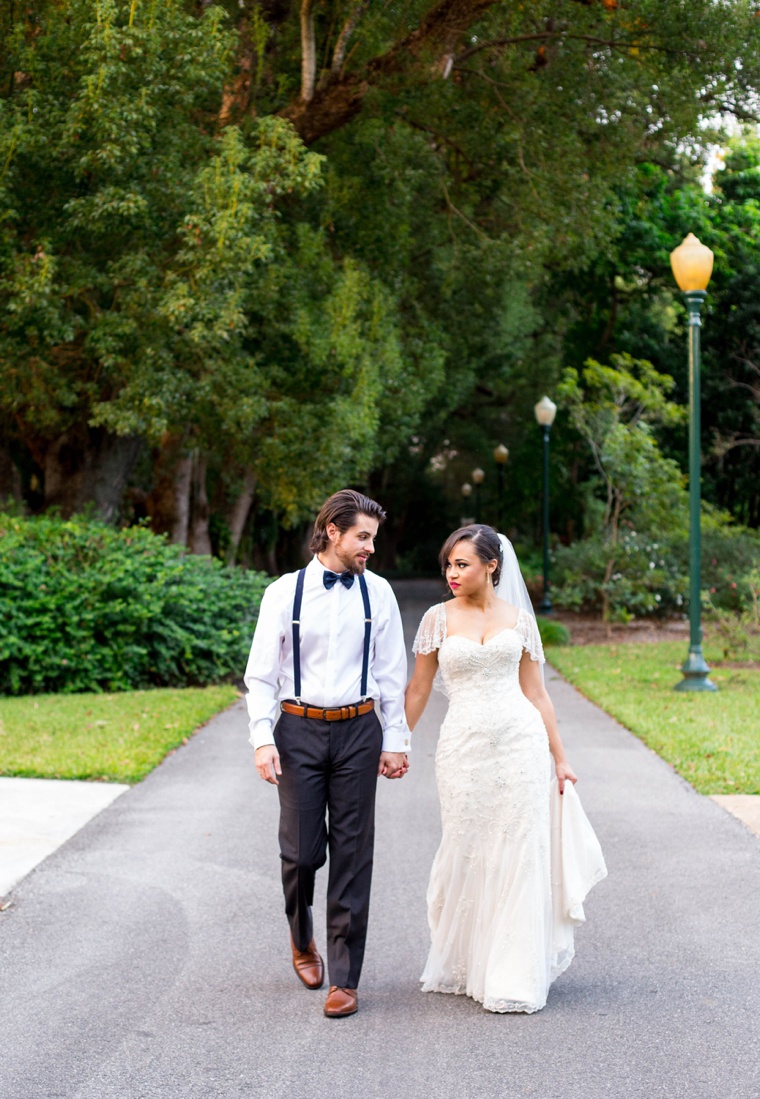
(329, 579)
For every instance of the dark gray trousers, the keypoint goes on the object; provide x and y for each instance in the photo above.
(327, 802)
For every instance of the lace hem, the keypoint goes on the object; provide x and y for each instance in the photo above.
(574, 911)
(504, 1006)
(501, 1007)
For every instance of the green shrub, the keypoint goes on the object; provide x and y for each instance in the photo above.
(643, 574)
(730, 559)
(85, 607)
(637, 576)
(552, 633)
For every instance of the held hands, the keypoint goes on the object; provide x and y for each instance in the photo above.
(565, 773)
(268, 763)
(393, 764)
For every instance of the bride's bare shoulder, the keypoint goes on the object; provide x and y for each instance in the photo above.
(509, 614)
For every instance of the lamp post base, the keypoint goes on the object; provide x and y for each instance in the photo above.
(695, 673)
(546, 606)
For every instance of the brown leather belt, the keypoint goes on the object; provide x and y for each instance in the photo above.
(338, 713)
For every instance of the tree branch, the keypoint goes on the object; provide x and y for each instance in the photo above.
(308, 51)
(475, 228)
(347, 30)
(319, 112)
(564, 36)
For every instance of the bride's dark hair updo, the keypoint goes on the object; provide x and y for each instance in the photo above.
(485, 542)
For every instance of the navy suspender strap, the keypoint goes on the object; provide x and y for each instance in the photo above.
(297, 635)
(367, 632)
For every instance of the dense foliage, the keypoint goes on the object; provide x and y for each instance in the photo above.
(634, 558)
(86, 607)
(250, 251)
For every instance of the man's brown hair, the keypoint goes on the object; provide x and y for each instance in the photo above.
(342, 509)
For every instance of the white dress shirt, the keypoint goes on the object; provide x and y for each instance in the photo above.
(332, 646)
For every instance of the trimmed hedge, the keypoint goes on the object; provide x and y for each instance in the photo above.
(85, 607)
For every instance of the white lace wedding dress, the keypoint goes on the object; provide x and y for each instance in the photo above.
(516, 859)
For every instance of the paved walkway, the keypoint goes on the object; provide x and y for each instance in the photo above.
(38, 815)
(148, 957)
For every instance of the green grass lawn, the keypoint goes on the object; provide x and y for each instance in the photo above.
(111, 737)
(712, 740)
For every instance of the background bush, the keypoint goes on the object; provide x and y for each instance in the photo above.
(552, 632)
(85, 607)
(651, 571)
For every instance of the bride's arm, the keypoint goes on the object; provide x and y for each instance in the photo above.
(534, 690)
(420, 686)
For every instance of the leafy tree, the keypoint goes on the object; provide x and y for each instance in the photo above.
(155, 290)
(102, 129)
(626, 302)
(178, 271)
(614, 408)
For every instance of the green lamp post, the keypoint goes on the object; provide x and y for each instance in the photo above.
(692, 264)
(545, 412)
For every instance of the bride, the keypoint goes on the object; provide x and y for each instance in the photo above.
(517, 854)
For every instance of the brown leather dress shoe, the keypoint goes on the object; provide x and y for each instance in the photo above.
(340, 1002)
(308, 965)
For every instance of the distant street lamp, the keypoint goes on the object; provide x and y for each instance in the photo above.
(545, 411)
(692, 264)
(478, 477)
(500, 456)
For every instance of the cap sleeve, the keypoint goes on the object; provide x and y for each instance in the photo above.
(527, 627)
(432, 630)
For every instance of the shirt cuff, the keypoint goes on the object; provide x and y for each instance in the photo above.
(261, 733)
(397, 738)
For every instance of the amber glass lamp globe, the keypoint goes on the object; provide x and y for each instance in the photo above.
(692, 264)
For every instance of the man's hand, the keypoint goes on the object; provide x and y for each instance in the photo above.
(393, 764)
(268, 763)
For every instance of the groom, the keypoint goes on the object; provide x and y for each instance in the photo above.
(329, 655)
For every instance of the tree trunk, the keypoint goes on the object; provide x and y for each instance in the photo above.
(200, 540)
(183, 485)
(239, 515)
(93, 470)
(308, 51)
(10, 478)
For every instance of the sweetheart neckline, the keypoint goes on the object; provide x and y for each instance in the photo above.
(482, 644)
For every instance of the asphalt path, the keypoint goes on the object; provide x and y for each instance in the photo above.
(149, 956)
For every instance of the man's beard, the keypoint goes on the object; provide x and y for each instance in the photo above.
(354, 565)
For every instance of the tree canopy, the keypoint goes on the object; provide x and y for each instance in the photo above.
(253, 250)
